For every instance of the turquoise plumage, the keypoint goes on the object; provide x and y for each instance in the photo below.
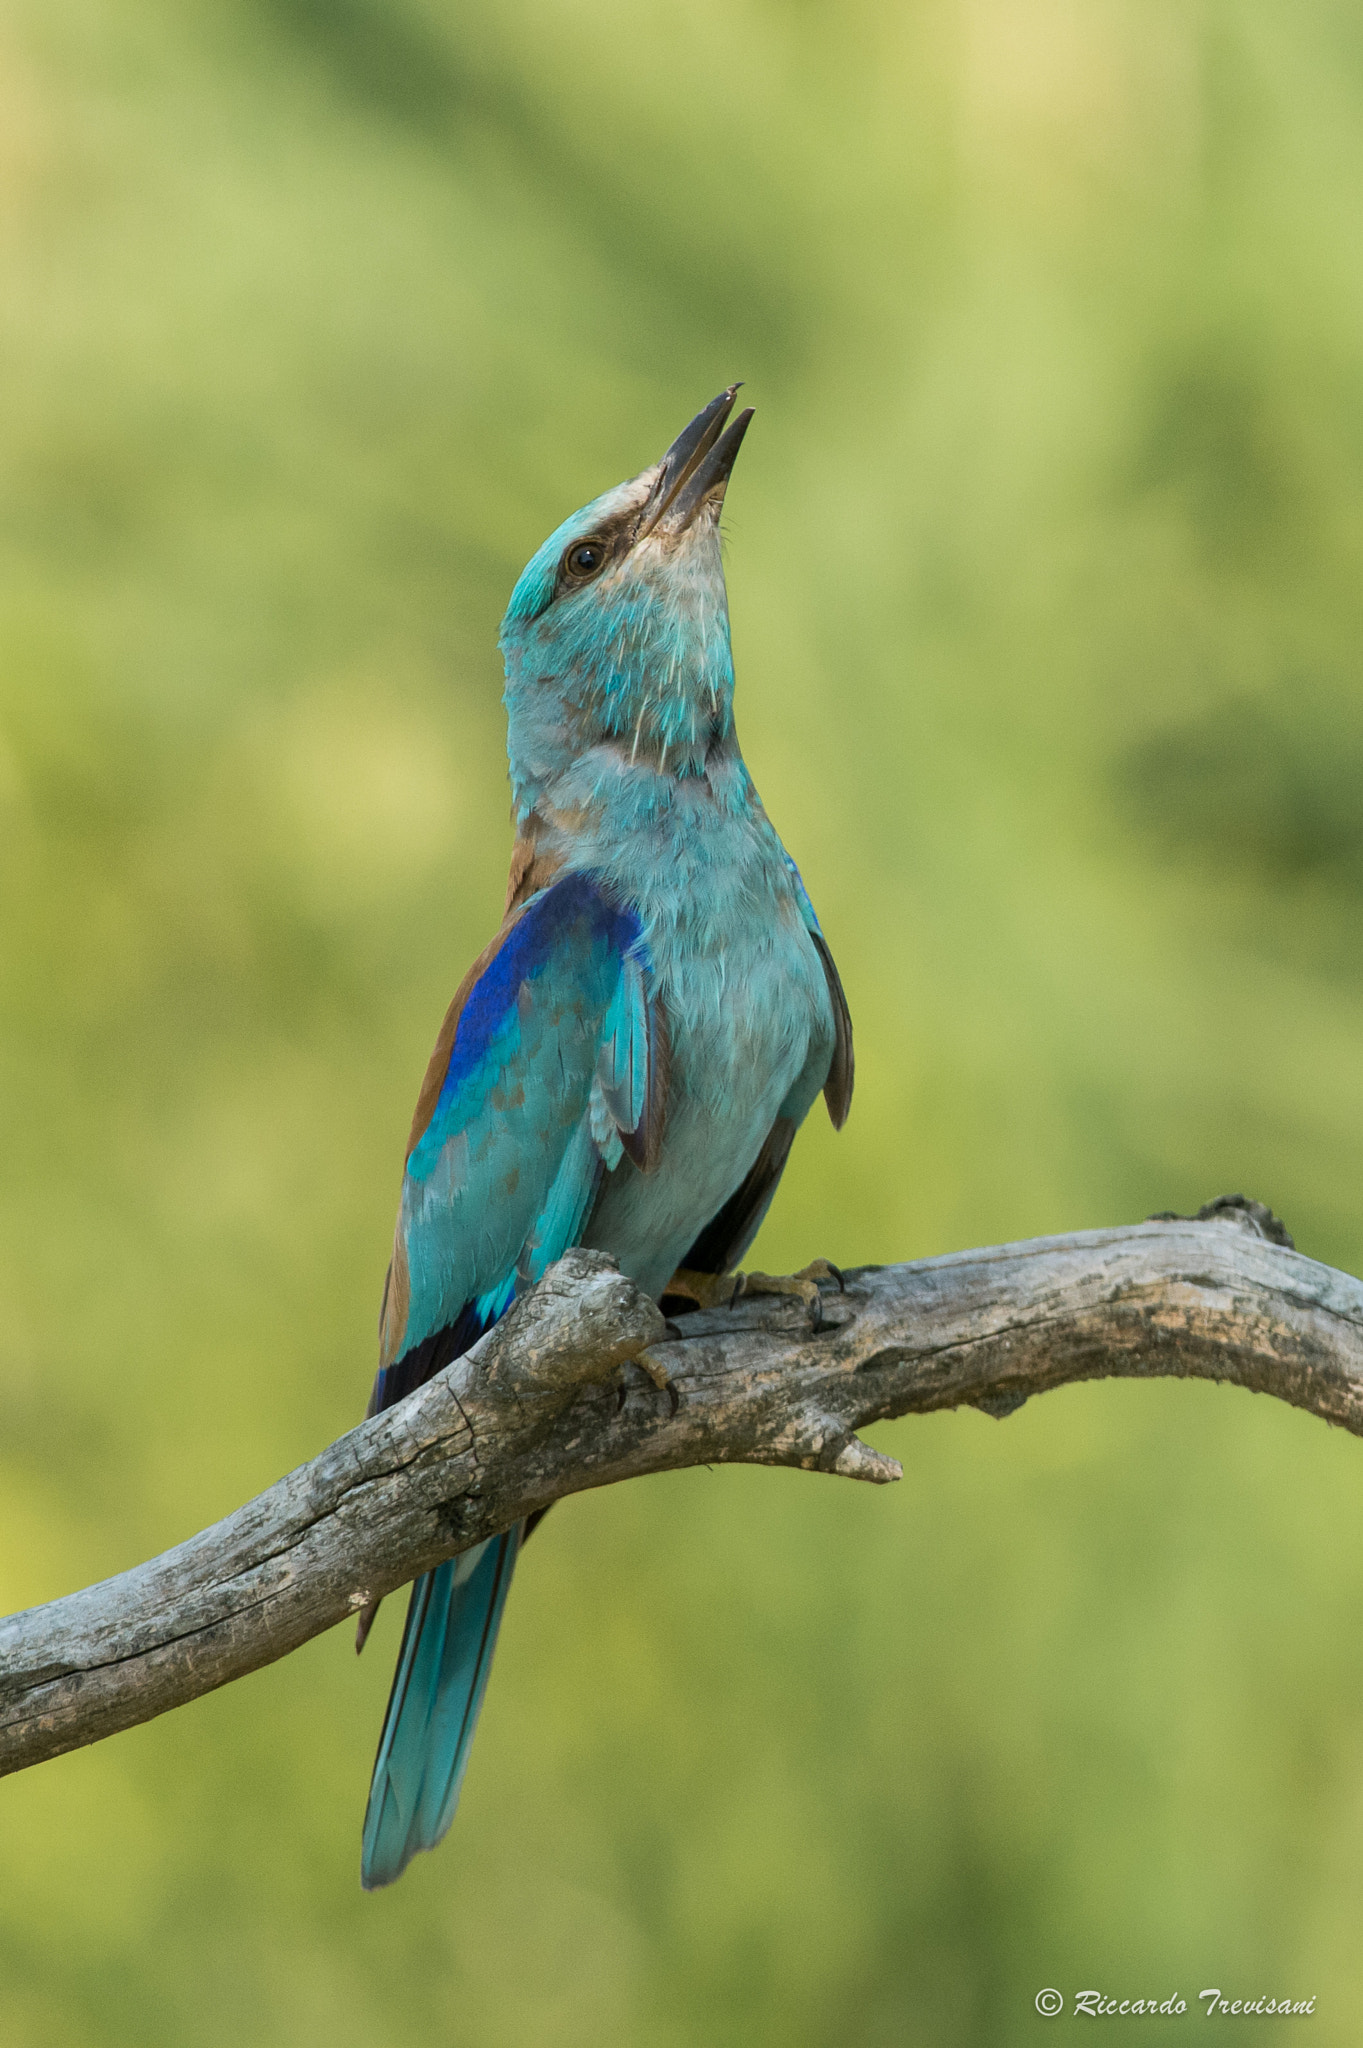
(627, 1063)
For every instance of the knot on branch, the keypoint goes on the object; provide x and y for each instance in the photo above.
(819, 1442)
(576, 1328)
(1242, 1212)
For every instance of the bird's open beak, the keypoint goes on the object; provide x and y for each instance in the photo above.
(695, 469)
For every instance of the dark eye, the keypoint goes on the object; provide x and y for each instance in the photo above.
(585, 559)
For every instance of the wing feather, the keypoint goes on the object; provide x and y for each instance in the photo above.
(837, 1089)
(543, 1067)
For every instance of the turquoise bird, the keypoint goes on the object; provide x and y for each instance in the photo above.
(627, 1063)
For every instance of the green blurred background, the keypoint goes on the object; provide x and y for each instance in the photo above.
(315, 316)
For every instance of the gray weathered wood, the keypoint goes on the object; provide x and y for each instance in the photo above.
(535, 1413)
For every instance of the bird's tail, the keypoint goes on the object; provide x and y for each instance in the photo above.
(452, 1622)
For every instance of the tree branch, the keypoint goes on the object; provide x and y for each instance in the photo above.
(535, 1412)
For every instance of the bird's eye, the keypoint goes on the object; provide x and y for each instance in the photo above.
(585, 559)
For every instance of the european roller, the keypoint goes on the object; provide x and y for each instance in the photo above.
(627, 1063)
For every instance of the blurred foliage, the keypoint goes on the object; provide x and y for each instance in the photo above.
(1045, 570)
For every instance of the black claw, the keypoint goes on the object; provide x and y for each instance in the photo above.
(816, 1311)
(738, 1289)
(621, 1395)
(673, 1396)
(836, 1271)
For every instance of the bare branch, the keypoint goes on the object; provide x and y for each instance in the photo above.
(535, 1412)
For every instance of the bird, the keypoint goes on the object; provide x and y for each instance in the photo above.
(626, 1064)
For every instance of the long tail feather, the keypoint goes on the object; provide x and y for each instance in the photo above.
(452, 1622)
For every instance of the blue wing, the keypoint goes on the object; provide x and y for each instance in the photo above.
(549, 1066)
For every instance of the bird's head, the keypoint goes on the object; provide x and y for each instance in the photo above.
(616, 639)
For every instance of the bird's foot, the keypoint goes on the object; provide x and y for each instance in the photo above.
(722, 1290)
(804, 1285)
(653, 1369)
(705, 1290)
